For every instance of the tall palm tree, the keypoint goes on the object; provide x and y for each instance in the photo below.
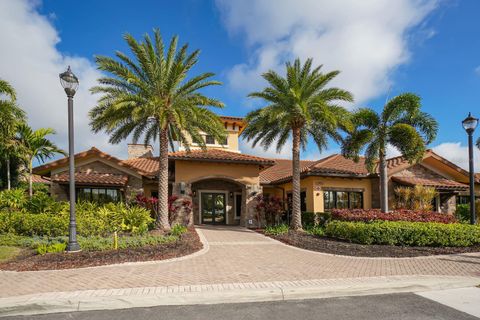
(401, 124)
(150, 96)
(35, 145)
(10, 117)
(298, 106)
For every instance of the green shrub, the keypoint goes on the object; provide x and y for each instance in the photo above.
(51, 248)
(463, 212)
(13, 199)
(316, 231)
(106, 243)
(311, 219)
(178, 230)
(276, 230)
(404, 233)
(41, 202)
(92, 219)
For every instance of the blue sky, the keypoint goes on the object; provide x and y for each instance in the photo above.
(427, 47)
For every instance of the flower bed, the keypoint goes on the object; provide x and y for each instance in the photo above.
(361, 215)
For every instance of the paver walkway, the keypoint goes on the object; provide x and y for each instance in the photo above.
(234, 255)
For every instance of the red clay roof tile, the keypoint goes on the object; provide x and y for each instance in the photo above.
(93, 178)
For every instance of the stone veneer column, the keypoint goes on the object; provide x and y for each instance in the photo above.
(184, 216)
(248, 211)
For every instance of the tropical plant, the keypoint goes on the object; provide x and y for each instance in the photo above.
(298, 106)
(401, 124)
(416, 198)
(11, 116)
(150, 96)
(35, 145)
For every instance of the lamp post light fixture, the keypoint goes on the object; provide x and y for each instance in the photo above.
(70, 83)
(470, 124)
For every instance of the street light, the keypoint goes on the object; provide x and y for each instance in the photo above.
(470, 124)
(70, 83)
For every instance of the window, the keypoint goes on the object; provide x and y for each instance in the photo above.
(99, 195)
(224, 142)
(209, 139)
(342, 200)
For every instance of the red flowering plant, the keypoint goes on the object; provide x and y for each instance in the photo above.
(150, 203)
(268, 207)
(363, 215)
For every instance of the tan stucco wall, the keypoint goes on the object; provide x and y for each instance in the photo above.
(314, 186)
(232, 140)
(191, 171)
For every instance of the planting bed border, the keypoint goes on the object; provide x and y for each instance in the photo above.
(188, 243)
(339, 247)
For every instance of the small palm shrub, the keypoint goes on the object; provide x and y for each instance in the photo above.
(13, 199)
(417, 198)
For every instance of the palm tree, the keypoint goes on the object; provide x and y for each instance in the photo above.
(35, 145)
(151, 96)
(298, 106)
(10, 117)
(401, 124)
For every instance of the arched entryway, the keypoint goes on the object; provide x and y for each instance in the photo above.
(218, 201)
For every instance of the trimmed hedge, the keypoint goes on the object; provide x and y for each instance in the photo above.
(403, 233)
(364, 215)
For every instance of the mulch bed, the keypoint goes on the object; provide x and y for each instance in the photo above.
(334, 246)
(29, 261)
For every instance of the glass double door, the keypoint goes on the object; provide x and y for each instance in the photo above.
(213, 208)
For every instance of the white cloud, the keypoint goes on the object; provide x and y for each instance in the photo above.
(365, 40)
(458, 154)
(30, 61)
(477, 70)
(285, 153)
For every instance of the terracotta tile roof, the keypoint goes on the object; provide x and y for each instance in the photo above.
(439, 183)
(93, 178)
(216, 155)
(335, 164)
(281, 170)
(339, 165)
(148, 165)
(46, 168)
(39, 179)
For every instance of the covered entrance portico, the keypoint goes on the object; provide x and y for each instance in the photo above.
(218, 201)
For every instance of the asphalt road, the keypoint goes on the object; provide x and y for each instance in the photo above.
(403, 306)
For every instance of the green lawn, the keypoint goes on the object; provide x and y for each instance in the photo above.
(7, 253)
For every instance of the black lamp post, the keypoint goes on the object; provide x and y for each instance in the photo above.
(70, 83)
(470, 124)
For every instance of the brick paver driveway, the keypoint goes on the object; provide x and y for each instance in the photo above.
(234, 255)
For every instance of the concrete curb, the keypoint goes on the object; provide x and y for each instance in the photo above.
(110, 299)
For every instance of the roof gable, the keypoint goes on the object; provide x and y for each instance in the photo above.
(45, 169)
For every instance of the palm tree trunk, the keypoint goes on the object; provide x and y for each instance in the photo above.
(383, 182)
(296, 223)
(30, 183)
(162, 217)
(8, 174)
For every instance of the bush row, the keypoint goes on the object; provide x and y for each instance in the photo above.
(403, 233)
(364, 215)
(94, 243)
(92, 220)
